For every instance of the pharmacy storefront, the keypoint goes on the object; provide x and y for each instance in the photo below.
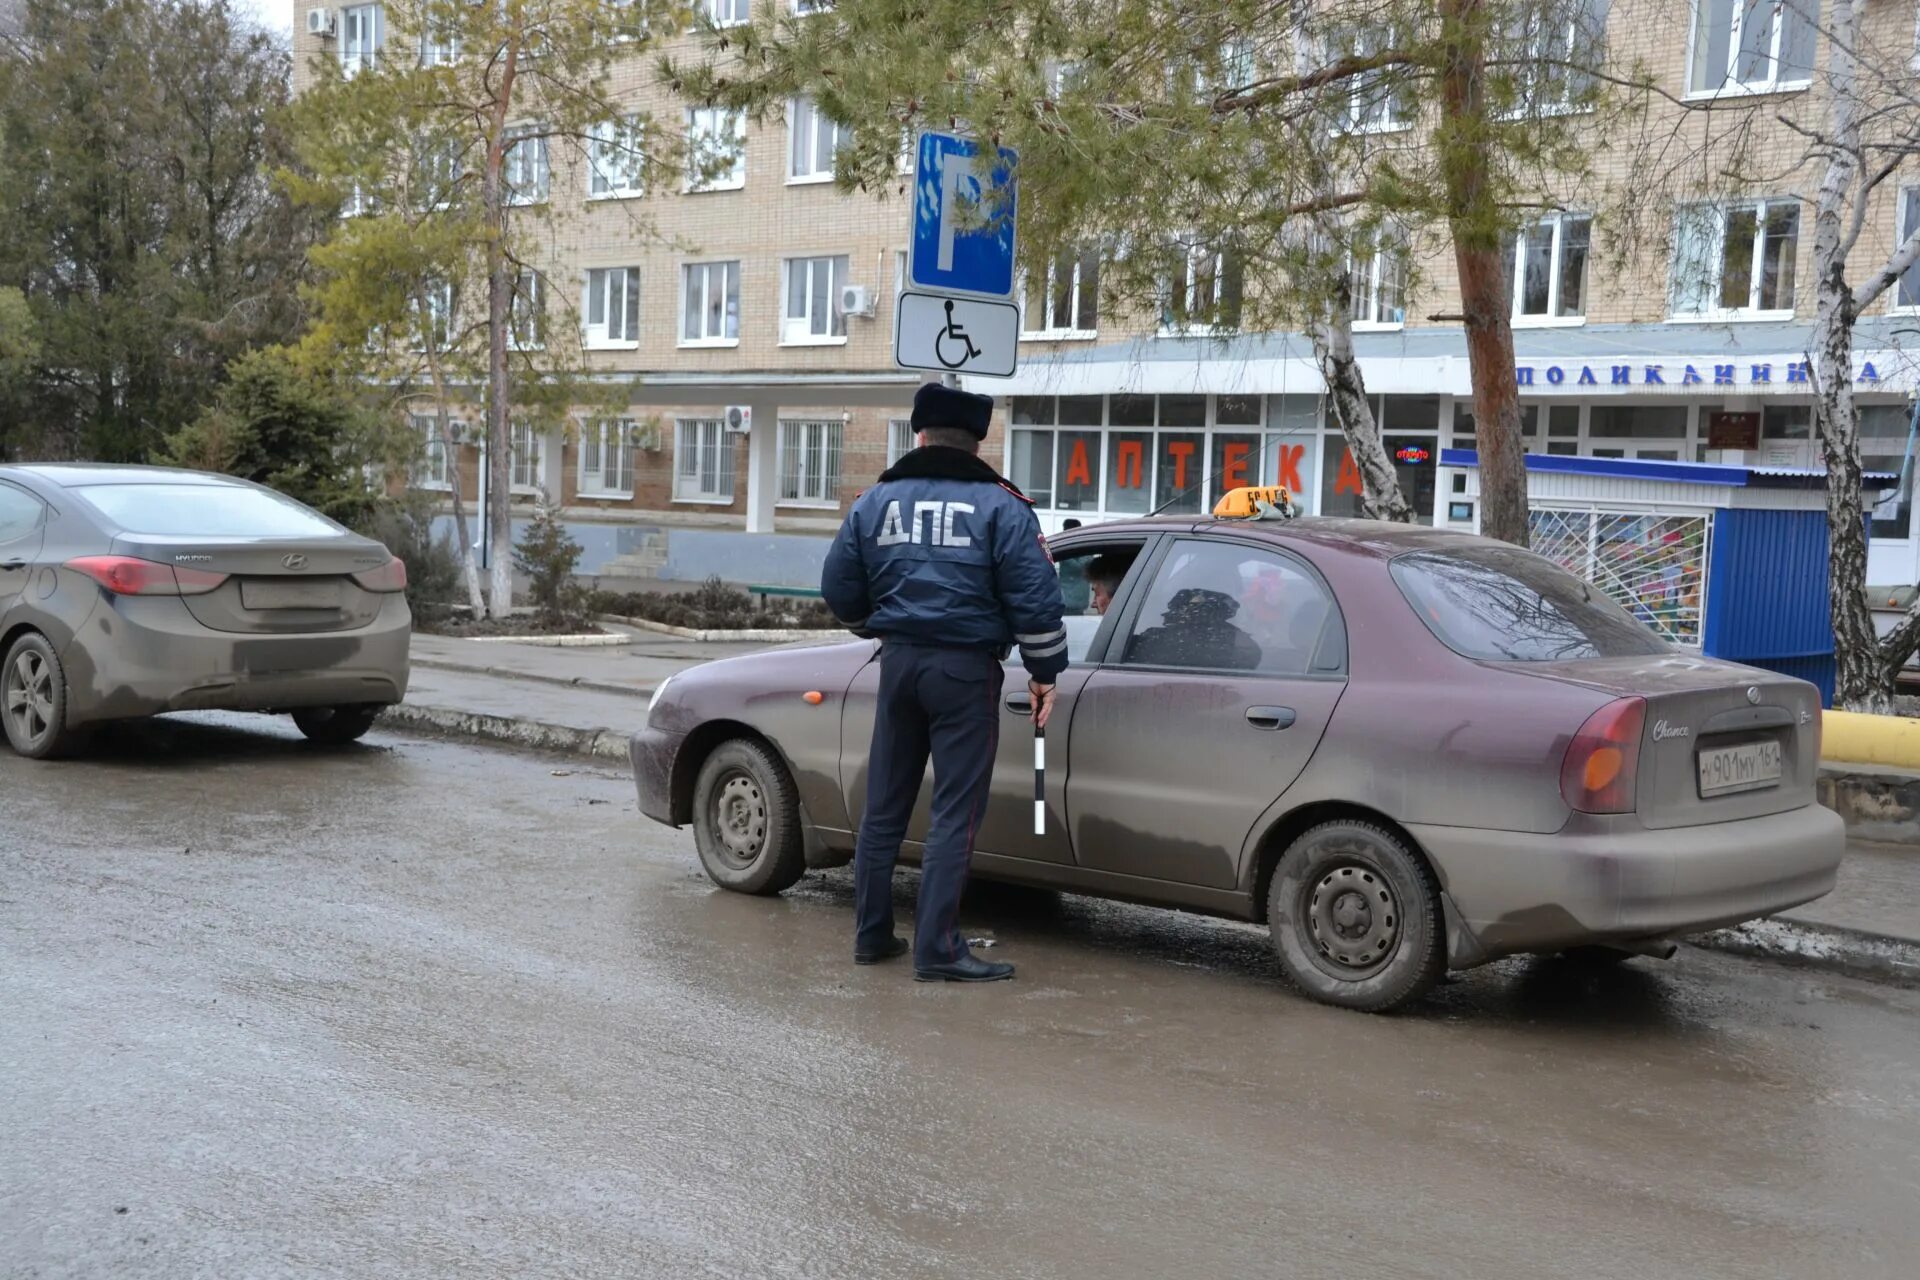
(1169, 425)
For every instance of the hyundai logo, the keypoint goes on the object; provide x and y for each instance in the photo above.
(296, 561)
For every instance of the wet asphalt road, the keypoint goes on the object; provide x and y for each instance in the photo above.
(424, 1009)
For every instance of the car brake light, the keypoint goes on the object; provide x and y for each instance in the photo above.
(128, 576)
(1601, 770)
(391, 576)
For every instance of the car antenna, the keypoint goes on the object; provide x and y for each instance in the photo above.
(1259, 457)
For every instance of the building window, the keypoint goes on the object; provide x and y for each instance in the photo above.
(727, 13)
(359, 203)
(363, 30)
(1204, 290)
(612, 307)
(1549, 266)
(606, 458)
(1883, 447)
(810, 463)
(1379, 281)
(1907, 292)
(899, 439)
(433, 316)
(437, 166)
(1555, 51)
(1063, 299)
(804, 7)
(702, 461)
(440, 43)
(716, 149)
(1751, 46)
(1374, 101)
(436, 453)
(525, 450)
(812, 312)
(710, 303)
(1735, 259)
(616, 159)
(526, 166)
(812, 141)
(527, 313)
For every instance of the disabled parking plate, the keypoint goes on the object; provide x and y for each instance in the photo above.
(256, 593)
(1749, 766)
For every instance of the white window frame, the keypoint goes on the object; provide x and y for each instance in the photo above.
(706, 126)
(363, 34)
(1728, 87)
(815, 484)
(800, 330)
(616, 160)
(1387, 262)
(1048, 329)
(439, 164)
(527, 462)
(1544, 94)
(606, 457)
(439, 44)
(805, 124)
(436, 454)
(729, 269)
(900, 439)
(434, 329)
(804, 7)
(1517, 262)
(359, 203)
(529, 300)
(1196, 255)
(1360, 113)
(728, 13)
(617, 330)
(526, 168)
(695, 440)
(1906, 218)
(1715, 213)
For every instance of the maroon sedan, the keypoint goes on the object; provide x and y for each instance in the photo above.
(1405, 750)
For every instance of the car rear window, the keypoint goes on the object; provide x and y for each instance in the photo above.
(206, 511)
(1503, 604)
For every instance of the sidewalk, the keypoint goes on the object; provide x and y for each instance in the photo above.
(588, 701)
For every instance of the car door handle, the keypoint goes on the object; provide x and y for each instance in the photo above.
(1020, 704)
(13, 564)
(1270, 717)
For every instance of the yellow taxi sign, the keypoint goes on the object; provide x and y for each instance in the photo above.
(1245, 503)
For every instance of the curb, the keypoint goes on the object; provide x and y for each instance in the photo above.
(508, 673)
(603, 744)
(1883, 806)
(1848, 737)
(1831, 948)
(766, 636)
(585, 640)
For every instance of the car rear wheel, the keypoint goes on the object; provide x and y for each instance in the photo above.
(746, 819)
(336, 726)
(1355, 916)
(33, 700)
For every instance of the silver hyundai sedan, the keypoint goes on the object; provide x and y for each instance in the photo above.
(131, 591)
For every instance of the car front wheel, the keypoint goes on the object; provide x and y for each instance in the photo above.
(33, 700)
(335, 726)
(1355, 917)
(746, 819)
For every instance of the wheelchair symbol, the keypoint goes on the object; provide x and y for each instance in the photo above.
(959, 335)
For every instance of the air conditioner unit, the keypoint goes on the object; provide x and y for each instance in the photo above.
(644, 437)
(320, 22)
(739, 419)
(855, 300)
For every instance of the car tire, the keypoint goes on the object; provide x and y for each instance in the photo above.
(33, 701)
(1355, 917)
(336, 726)
(746, 819)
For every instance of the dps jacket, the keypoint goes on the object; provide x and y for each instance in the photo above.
(942, 551)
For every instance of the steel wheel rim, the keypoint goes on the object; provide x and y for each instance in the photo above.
(29, 697)
(740, 820)
(1352, 919)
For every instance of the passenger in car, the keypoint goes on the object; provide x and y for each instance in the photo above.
(1196, 630)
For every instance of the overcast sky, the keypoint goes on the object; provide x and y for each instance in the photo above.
(275, 15)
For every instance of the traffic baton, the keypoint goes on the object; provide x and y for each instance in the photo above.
(1039, 778)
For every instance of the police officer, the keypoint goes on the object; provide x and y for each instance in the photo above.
(944, 562)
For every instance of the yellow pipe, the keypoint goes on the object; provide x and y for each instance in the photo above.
(1862, 739)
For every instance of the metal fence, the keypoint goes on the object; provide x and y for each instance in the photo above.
(1653, 564)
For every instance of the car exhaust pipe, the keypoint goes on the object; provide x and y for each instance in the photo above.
(1654, 948)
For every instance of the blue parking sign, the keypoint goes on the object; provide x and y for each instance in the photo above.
(962, 239)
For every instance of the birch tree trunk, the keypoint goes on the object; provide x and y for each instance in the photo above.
(1380, 498)
(450, 450)
(499, 320)
(1474, 222)
(1862, 681)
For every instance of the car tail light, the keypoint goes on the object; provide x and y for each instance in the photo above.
(391, 576)
(1603, 760)
(128, 576)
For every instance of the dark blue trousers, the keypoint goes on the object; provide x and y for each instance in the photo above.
(944, 703)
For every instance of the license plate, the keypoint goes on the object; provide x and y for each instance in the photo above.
(257, 593)
(1750, 766)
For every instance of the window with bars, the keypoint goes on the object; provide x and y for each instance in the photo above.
(810, 462)
(1735, 259)
(616, 159)
(899, 439)
(702, 461)
(363, 30)
(812, 141)
(525, 450)
(710, 303)
(1751, 46)
(527, 175)
(606, 457)
(812, 312)
(1548, 261)
(436, 456)
(1062, 300)
(716, 149)
(611, 307)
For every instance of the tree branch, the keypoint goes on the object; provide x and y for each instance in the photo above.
(1880, 281)
(1256, 95)
(1899, 644)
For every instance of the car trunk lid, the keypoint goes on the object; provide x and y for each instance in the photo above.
(273, 586)
(1721, 742)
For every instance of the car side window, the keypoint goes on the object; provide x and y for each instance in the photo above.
(1218, 606)
(20, 514)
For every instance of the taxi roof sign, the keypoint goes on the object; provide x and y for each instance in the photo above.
(1255, 502)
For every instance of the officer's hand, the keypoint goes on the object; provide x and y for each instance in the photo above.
(1042, 702)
